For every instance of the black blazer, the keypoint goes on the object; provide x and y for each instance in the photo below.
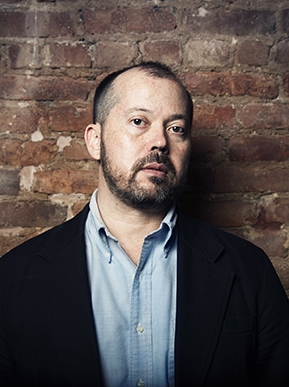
(232, 323)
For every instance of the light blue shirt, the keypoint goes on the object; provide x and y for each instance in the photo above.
(134, 306)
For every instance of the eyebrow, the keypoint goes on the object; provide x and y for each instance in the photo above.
(169, 119)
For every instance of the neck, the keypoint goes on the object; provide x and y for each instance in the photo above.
(129, 225)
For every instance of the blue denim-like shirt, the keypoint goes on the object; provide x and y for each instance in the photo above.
(134, 306)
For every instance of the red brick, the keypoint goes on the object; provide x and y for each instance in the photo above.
(226, 214)
(35, 153)
(285, 20)
(21, 87)
(259, 148)
(213, 117)
(65, 181)
(97, 21)
(286, 84)
(17, 120)
(233, 22)
(206, 147)
(25, 56)
(252, 178)
(115, 54)
(231, 84)
(167, 51)
(123, 20)
(70, 118)
(10, 152)
(69, 55)
(276, 212)
(55, 24)
(282, 52)
(265, 116)
(31, 214)
(13, 24)
(204, 52)
(9, 182)
(76, 151)
(252, 52)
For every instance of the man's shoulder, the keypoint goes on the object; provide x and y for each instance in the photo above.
(58, 235)
(211, 241)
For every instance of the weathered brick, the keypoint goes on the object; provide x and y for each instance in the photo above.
(252, 178)
(138, 20)
(55, 24)
(25, 56)
(273, 242)
(10, 152)
(65, 181)
(265, 116)
(276, 211)
(167, 51)
(252, 53)
(69, 55)
(115, 54)
(231, 84)
(259, 148)
(206, 148)
(233, 22)
(70, 118)
(21, 87)
(76, 151)
(286, 84)
(40, 152)
(285, 20)
(226, 213)
(9, 182)
(207, 52)
(17, 120)
(213, 117)
(31, 214)
(97, 21)
(282, 52)
(13, 24)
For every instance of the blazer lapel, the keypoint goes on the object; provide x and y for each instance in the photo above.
(202, 295)
(66, 299)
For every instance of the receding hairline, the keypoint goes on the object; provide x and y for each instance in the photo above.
(111, 96)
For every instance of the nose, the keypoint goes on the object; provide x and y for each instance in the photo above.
(158, 140)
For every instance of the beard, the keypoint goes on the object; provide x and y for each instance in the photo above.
(158, 196)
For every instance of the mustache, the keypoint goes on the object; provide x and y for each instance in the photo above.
(154, 157)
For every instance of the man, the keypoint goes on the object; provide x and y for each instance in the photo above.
(133, 292)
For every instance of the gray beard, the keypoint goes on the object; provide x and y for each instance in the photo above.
(132, 194)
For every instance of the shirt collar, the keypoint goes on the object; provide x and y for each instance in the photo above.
(167, 225)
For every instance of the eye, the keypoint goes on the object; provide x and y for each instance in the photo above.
(177, 129)
(138, 122)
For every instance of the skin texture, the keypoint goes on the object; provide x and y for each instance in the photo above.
(143, 149)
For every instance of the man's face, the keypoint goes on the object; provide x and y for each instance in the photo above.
(145, 142)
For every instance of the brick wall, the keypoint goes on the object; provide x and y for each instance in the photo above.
(233, 57)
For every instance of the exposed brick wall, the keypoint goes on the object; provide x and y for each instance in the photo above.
(233, 57)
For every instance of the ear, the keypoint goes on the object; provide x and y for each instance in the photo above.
(92, 137)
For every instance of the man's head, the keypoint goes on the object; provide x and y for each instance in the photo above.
(141, 135)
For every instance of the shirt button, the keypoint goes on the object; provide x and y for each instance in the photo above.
(140, 383)
(139, 328)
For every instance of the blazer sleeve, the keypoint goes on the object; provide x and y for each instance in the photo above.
(272, 364)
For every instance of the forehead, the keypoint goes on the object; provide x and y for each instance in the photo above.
(136, 85)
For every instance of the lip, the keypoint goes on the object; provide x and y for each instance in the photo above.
(155, 168)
